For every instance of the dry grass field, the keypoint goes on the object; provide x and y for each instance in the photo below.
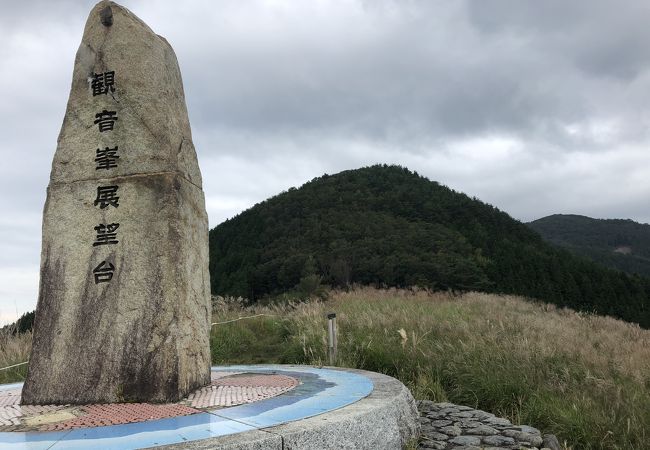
(14, 349)
(584, 378)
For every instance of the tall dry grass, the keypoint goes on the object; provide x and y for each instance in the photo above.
(584, 378)
(14, 349)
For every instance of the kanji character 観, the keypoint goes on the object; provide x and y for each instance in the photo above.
(101, 83)
(106, 158)
(106, 234)
(106, 197)
(105, 120)
(103, 272)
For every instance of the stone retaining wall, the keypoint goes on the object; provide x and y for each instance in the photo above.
(445, 426)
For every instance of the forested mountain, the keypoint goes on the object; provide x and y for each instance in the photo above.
(387, 226)
(619, 244)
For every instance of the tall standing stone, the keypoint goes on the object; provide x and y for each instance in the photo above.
(124, 304)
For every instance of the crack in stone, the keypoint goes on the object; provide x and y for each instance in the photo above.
(121, 177)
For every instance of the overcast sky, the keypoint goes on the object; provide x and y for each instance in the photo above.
(537, 107)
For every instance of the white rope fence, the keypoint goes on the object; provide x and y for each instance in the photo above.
(241, 318)
(213, 323)
(15, 365)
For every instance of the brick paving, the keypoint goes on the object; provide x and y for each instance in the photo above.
(11, 416)
(238, 389)
(10, 397)
(119, 413)
(227, 389)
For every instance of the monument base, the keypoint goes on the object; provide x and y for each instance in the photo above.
(246, 407)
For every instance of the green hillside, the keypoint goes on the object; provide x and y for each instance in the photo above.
(387, 226)
(619, 244)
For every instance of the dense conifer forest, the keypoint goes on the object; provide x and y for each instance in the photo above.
(388, 226)
(619, 244)
(24, 324)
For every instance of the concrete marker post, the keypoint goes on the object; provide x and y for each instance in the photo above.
(332, 341)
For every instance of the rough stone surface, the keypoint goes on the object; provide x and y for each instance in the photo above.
(443, 427)
(551, 442)
(144, 335)
(387, 419)
(466, 440)
(249, 440)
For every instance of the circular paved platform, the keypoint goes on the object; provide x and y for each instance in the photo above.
(226, 389)
(244, 407)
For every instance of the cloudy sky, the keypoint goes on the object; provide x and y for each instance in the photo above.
(535, 107)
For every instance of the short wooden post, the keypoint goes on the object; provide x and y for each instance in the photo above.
(331, 328)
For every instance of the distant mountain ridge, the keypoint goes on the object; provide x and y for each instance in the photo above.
(615, 243)
(388, 226)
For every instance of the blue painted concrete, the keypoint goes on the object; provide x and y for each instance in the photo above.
(31, 441)
(320, 391)
(7, 387)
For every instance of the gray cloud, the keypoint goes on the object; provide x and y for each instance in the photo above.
(536, 107)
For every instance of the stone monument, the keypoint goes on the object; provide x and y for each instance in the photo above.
(124, 304)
